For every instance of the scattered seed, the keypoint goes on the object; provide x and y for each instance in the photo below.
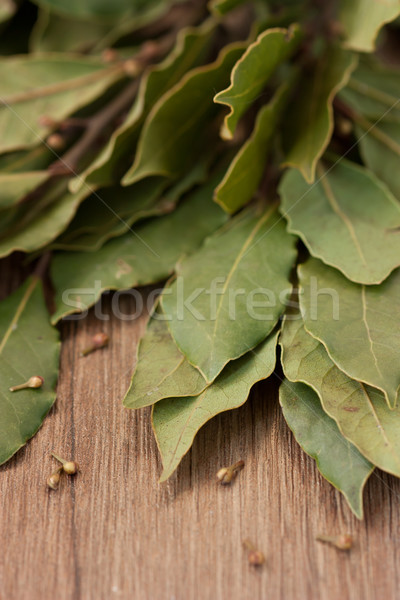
(343, 541)
(53, 481)
(255, 557)
(70, 467)
(36, 381)
(98, 341)
(228, 474)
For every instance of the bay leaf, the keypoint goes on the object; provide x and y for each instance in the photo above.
(94, 223)
(176, 128)
(191, 48)
(357, 237)
(337, 459)
(101, 9)
(110, 212)
(358, 324)
(310, 122)
(246, 170)
(14, 186)
(145, 255)
(362, 20)
(37, 158)
(222, 7)
(161, 370)
(52, 85)
(177, 420)
(374, 91)
(59, 33)
(380, 149)
(252, 72)
(42, 226)
(360, 411)
(28, 346)
(229, 295)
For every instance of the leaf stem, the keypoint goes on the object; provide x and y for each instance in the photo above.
(61, 86)
(368, 127)
(41, 266)
(150, 52)
(69, 163)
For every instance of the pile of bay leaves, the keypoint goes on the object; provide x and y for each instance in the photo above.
(247, 154)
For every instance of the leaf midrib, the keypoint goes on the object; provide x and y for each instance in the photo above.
(375, 94)
(370, 340)
(234, 267)
(376, 418)
(20, 309)
(56, 88)
(371, 411)
(340, 213)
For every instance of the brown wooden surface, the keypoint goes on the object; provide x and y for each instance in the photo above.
(114, 533)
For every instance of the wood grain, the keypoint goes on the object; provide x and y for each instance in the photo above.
(114, 533)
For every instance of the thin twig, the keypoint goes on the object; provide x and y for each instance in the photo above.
(41, 266)
(94, 129)
(366, 125)
(150, 52)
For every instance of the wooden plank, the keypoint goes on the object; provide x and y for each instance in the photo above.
(114, 532)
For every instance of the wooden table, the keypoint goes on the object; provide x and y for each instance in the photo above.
(113, 532)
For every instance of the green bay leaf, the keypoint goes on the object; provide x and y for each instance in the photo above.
(14, 186)
(229, 295)
(51, 85)
(177, 420)
(37, 158)
(28, 346)
(59, 33)
(33, 228)
(361, 239)
(145, 255)
(380, 149)
(176, 128)
(111, 212)
(191, 49)
(358, 324)
(252, 72)
(104, 9)
(246, 170)
(310, 122)
(221, 7)
(374, 92)
(162, 371)
(337, 459)
(359, 410)
(362, 20)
